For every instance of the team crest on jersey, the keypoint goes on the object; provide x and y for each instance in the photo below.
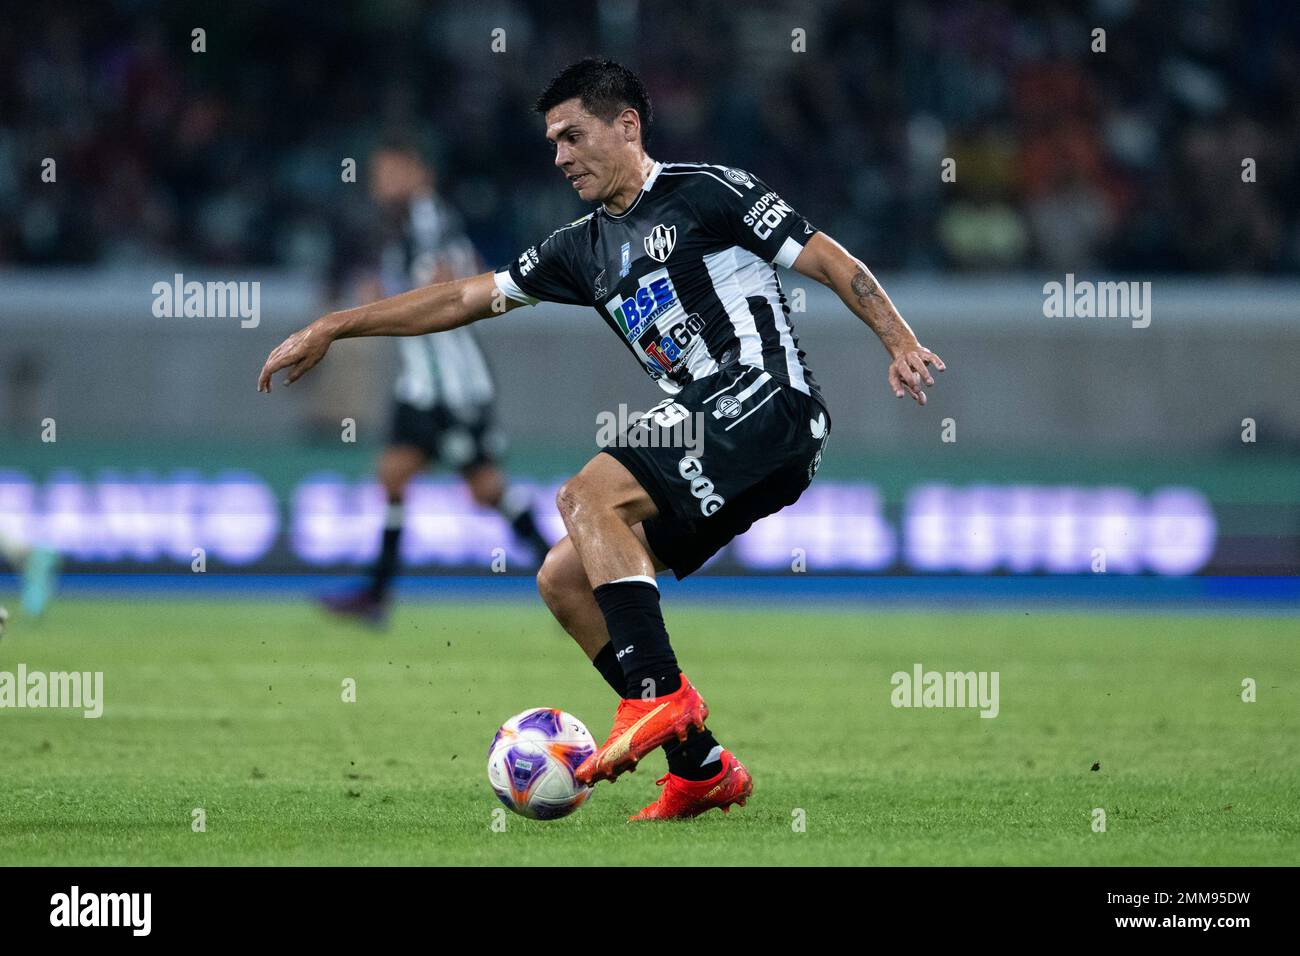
(659, 244)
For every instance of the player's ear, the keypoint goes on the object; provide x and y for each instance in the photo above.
(631, 124)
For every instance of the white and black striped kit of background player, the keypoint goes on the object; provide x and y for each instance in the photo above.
(444, 391)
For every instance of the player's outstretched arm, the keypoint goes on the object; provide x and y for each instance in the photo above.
(433, 308)
(826, 261)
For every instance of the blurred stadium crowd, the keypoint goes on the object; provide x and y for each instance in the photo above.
(1066, 159)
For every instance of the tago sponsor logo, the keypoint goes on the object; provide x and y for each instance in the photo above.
(667, 351)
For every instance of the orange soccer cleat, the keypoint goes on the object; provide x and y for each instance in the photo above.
(683, 799)
(641, 726)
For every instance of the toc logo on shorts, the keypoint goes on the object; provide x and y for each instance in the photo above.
(701, 486)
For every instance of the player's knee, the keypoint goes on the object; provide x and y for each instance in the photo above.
(570, 497)
(394, 486)
(394, 475)
(554, 580)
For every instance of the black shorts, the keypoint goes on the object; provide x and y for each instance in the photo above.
(725, 451)
(456, 438)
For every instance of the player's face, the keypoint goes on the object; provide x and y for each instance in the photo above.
(587, 149)
(394, 177)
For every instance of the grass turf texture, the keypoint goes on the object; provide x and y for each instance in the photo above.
(236, 707)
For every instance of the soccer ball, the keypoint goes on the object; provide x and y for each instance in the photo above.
(532, 760)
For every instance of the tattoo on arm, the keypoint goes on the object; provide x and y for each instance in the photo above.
(875, 309)
(863, 287)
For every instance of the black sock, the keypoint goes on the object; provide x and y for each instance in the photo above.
(610, 668)
(640, 640)
(687, 759)
(386, 567)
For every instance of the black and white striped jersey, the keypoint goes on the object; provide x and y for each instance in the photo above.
(448, 368)
(685, 276)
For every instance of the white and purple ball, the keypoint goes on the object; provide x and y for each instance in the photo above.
(532, 760)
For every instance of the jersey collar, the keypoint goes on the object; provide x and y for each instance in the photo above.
(649, 182)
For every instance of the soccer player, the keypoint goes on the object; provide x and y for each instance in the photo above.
(38, 570)
(444, 393)
(679, 260)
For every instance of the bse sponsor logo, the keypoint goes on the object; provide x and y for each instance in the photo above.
(668, 425)
(659, 244)
(528, 260)
(701, 485)
(648, 303)
(922, 688)
(131, 910)
(766, 214)
(179, 299)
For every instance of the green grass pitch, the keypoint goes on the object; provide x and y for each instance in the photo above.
(236, 707)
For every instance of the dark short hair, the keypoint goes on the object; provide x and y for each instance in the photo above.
(403, 141)
(605, 88)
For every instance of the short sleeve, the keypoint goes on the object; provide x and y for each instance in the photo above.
(737, 206)
(546, 272)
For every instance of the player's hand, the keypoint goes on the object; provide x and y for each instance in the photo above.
(299, 353)
(909, 370)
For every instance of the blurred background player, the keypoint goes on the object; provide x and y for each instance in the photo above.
(37, 568)
(444, 393)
